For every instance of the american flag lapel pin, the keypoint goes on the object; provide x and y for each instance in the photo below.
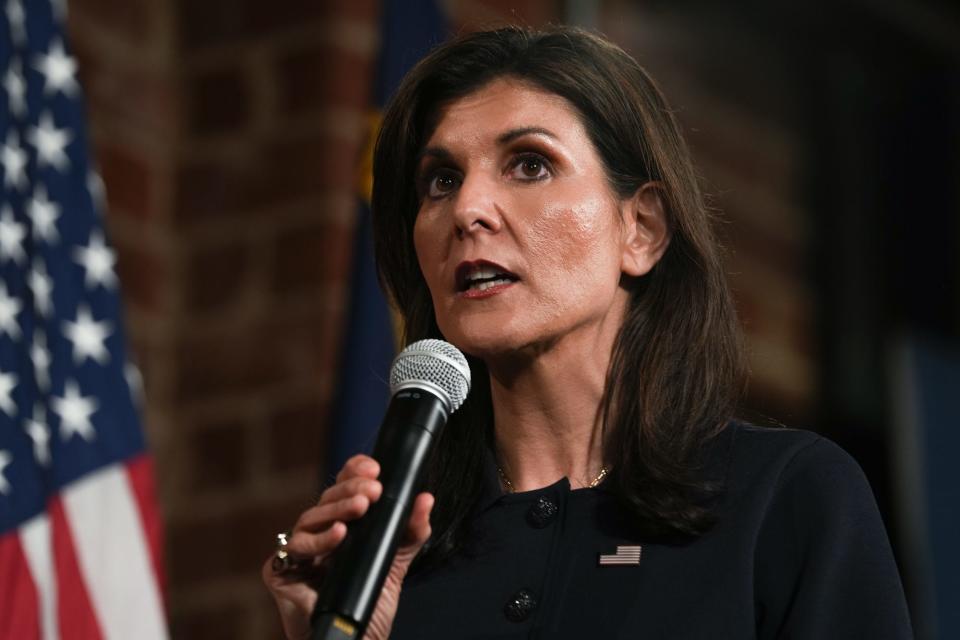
(626, 555)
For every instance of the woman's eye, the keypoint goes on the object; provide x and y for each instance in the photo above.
(442, 183)
(531, 168)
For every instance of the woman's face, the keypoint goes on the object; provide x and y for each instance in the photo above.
(519, 236)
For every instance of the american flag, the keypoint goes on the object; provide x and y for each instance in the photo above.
(79, 529)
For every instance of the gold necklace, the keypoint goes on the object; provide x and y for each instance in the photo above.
(509, 485)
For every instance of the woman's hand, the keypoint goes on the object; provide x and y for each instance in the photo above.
(318, 532)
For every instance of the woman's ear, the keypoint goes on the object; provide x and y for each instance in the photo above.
(646, 231)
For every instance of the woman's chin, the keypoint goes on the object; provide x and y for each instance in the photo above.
(497, 345)
(484, 342)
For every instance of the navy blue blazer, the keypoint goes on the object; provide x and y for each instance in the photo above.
(798, 552)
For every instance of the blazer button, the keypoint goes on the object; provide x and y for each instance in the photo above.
(520, 606)
(542, 513)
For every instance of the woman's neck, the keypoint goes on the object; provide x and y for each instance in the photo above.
(547, 413)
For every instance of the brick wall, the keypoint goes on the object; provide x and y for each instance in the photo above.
(228, 133)
(737, 108)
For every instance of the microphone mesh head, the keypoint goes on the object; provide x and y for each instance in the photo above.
(438, 365)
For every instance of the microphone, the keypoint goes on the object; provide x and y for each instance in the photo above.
(429, 380)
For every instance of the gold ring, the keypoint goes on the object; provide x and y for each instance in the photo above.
(282, 560)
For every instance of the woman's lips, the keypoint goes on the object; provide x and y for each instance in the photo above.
(481, 278)
(486, 292)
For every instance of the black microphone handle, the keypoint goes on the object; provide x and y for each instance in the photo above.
(359, 567)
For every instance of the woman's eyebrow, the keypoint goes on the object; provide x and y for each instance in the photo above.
(439, 153)
(513, 134)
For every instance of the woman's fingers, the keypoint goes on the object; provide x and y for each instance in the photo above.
(347, 500)
(418, 530)
(316, 519)
(369, 487)
(305, 545)
(359, 465)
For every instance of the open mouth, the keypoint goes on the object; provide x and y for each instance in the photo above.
(480, 276)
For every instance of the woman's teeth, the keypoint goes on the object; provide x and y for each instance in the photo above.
(483, 278)
(486, 284)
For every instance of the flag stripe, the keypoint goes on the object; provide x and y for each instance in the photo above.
(18, 593)
(113, 553)
(73, 604)
(140, 472)
(36, 541)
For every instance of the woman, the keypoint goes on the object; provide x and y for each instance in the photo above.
(536, 206)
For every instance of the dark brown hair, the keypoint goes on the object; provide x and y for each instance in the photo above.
(676, 370)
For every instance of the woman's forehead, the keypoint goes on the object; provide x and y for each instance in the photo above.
(503, 105)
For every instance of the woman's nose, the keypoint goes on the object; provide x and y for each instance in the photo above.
(476, 207)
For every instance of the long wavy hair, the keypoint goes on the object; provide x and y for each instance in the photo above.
(676, 371)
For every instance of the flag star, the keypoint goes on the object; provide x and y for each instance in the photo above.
(97, 260)
(8, 382)
(97, 190)
(9, 308)
(40, 356)
(13, 157)
(39, 432)
(43, 213)
(75, 410)
(5, 460)
(12, 234)
(17, 20)
(59, 9)
(41, 284)
(16, 88)
(87, 336)
(59, 70)
(50, 143)
(134, 378)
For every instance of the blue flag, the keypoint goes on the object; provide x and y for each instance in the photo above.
(409, 30)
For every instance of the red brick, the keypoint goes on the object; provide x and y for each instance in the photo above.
(220, 456)
(218, 101)
(481, 13)
(305, 258)
(128, 178)
(89, 65)
(143, 276)
(360, 10)
(310, 165)
(240, 360)
(234, 543)
(279, 16)
(140, 351)
(282, 349)
(309, 345)
(146, 98)
(130, 19)
(208, 23)
(778, 254)
(207, 190)
(223, 622)
(216, 276)
(215, 22)
(767, 162)
(323, 76)
(303, 424)
(272, 173)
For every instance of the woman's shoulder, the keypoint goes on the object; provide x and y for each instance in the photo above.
(775, 458)
(822, 564)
